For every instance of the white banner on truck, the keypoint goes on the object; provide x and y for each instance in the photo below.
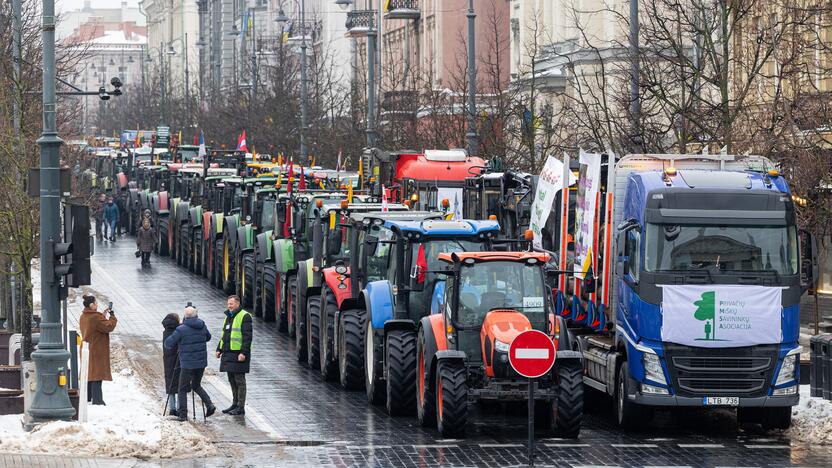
(721, 316)
(548, 186)
(589, 186)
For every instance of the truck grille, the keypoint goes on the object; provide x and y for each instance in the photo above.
(743, 371)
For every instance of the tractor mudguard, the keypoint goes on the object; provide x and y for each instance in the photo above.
(284, 255)
(392, 325)
(245, 238)
(569, 355)
(263, 247)
(435, 340)
(122, 180)
(339, 287)
(450, 355)
(306, 284)
(438, 298)
(174, 206)
(183, 212)
(350, 303)
(206, 224)
(195, 214)
(162, 202)
(218, 222)
(379, 296)
(231, 224)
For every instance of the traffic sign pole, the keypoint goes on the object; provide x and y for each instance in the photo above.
(531, 422)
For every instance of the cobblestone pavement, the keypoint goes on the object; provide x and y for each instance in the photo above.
(294, 419)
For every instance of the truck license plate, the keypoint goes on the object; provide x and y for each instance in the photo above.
(722, 401)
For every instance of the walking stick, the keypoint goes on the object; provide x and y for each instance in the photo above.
(168, 389)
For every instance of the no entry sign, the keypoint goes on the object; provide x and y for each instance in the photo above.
(532, 354)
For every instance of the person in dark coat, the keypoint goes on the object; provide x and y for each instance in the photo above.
(121, 204)
(191, 337)
(98, 210)
(145, 240)
(234, 352)
(111, 218)
(171, 360)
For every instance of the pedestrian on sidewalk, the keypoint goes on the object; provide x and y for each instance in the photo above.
(145, 241)
(98, 209)
(95, 329)
(171, 360)
(121, 204)
(192, 338)
(111, 218)
(234, 352)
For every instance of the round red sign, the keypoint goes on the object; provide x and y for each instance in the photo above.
(532, 354)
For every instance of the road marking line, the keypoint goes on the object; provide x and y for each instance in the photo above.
(435, 446)
(596, 466)
(566, 445)
(661, 439)
(701, 446)
(531, 353)
(634, 445)
(368, 447)
(752, 446)
(499, 445)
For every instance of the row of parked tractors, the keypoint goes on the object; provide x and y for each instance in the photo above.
(407, 301)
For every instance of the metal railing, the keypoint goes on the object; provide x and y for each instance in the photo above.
(403, 9)
(360, 22)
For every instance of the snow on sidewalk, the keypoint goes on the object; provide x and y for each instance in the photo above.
(812, 419)
(130, 426)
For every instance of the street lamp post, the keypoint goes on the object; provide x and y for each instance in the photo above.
(472, 83)
(635, 98)
(51, 400)
(281, 18)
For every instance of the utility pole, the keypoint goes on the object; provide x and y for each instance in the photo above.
(371, 86)
(472, 82)
(51, 400)
(163, 79)
(303, 93)
(17, 55)
(187, 76)
(635, 99)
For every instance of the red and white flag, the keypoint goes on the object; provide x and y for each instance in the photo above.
(384, 206)
(241, 146)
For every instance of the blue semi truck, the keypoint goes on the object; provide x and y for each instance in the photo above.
(707, 272)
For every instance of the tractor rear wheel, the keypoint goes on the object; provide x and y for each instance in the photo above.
(350, 351)
(400, 359)
(373, 384)
(326, 330)
(227, 271)
(568, 409)
(451, 398)
(163, 237)
(196, 253)
(281, 304)
(299, 325)
(248, 276)
(313, 322)
(267, 296)
(425, 402)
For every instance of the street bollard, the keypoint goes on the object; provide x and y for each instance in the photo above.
(826, 368)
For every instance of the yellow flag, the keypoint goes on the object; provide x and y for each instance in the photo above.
(332, 220)
(279, 159)
(179, 141)
(321, 184)
(349, 192)
(279, 179)
(361, 172)
(254, 154)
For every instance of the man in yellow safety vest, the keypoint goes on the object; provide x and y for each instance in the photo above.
(234, 352)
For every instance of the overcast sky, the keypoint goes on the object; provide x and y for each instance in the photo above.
(68, 5)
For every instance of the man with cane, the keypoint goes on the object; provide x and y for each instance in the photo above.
(192, 338)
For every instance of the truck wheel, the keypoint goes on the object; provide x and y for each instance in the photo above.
(626, 412)
(568, 409)
(425, 402)
(372, 368)
(779, 417)
(451, 399)
(326, 330)
(313, 323)
(299, 325)
(400, 359)
(163, 240)
(350, 351)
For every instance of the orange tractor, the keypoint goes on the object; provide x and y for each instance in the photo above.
(485, 301)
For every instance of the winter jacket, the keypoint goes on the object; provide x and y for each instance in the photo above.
(98, 209)
(146, 239)
(229, 361)
(96, 331)
(111, 213)
(170, 355)
(191, 337)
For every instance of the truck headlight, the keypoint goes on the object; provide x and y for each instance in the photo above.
(787, 370)
(500, 346)
(652, 367)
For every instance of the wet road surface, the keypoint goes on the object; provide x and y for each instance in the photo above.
(295, 419)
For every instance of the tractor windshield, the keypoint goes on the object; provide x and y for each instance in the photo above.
(267, 215)
(487, 286)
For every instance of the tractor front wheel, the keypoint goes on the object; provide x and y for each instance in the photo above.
(248, 277)
(350, 351)
(372, 368)
(163, 239)
(451, 399)
(400, 359)
(299, 325)
(425, 403)
(568, 409)
(313, 322)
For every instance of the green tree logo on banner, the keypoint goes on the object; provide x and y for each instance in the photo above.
(706, 311)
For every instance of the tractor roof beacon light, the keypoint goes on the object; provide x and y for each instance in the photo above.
(445, 203)
(773, 173)
(319, 203)
(528, 235)
(492, 217)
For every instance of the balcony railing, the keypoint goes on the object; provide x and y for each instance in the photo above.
(398, 105)
(403, 9)
(360, 22)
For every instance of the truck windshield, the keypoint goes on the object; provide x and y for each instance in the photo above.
(721, 248)
(500, 285)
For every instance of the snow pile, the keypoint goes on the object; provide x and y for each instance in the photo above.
(812, 419)
(130, 426)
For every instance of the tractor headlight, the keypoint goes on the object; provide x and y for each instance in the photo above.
(500, 346)
(787, 370)
(652, 367)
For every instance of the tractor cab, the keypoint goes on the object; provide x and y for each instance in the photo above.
(251, 186)
(508, 196)
(487, 299)
(230, 159)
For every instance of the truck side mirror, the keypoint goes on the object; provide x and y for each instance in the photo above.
(809, 270)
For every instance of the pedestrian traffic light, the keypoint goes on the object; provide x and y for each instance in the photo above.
(72, 259)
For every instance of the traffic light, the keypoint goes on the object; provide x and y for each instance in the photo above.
(72, 259)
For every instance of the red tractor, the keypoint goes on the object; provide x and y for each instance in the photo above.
(489, 298)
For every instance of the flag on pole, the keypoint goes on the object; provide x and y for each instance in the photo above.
(138, 140)
(242, 145)
(179, 140)
(254, 154)
(280, 159)
(360, 172)
(279, 179)
(349, 193)
(338, 166)
(384, 206)
(302, 181)
(202, 151)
